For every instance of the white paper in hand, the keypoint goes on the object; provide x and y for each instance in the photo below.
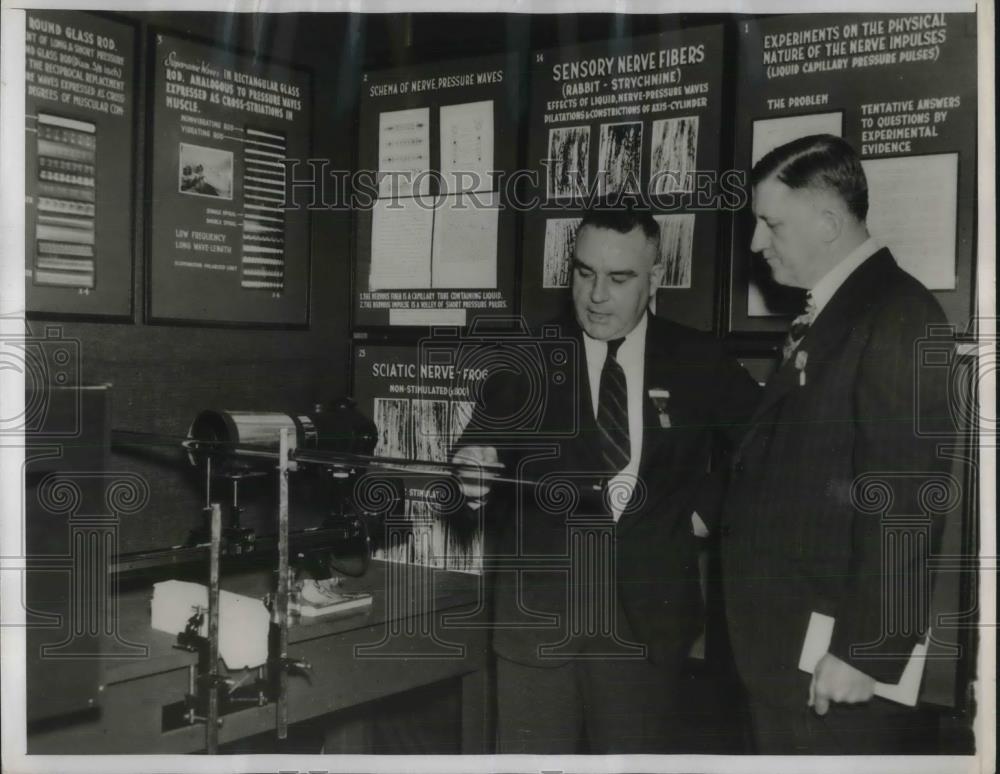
(817, 643)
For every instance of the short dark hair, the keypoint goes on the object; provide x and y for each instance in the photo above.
(623, 220)
(818, 161)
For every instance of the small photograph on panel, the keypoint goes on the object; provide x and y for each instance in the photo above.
(620, 158)
(205, 171)
(392, 417)
(569, 158)
(676, 247)
(560, 240)
(431, 429)
(674, 155)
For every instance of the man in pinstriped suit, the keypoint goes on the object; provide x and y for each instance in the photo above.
(840, 411)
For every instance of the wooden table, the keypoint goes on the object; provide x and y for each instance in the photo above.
(404, 641)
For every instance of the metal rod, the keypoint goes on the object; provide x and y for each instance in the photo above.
(208, 482)
(401, 465)
(234, 520)
(305, 539)
(127, 438)
(282, 592)
(212, 721)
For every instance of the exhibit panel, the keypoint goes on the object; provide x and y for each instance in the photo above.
(902, 90)
(80, 128)
(633, 119)
(437, 151)
(223, 245)
(421, 398)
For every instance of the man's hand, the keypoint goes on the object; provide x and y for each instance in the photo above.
(836, 680)
(475, 480)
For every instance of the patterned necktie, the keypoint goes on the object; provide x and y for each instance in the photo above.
(800, 326)
(612, 411)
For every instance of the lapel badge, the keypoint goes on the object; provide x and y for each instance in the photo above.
(801, 359)
(660, 398)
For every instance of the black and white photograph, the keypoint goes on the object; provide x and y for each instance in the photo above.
(394, 420)
(619, 158)
(560, 237)
(531, 387)
(569, 161)
(205, 171)
(674, 155)
(676, 249)
(431, 430)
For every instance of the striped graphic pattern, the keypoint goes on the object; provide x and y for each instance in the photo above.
(64, 226)
(263, 266)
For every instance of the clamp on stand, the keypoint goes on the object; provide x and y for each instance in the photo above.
(202, 701)
(210, 693)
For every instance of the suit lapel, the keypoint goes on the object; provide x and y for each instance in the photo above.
(656, 374)
(657, 360)
(859, 291)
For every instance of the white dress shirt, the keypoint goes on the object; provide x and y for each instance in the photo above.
(631, 357)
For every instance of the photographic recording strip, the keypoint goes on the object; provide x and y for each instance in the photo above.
(64, 224)
(263, 263)
(430, 430)
(392, 417)
(673, 156)
(620, 158)
(569, 161)
(560, 243)
(676, 248)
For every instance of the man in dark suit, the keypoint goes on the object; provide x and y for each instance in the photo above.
(836, 430)
(596, 599)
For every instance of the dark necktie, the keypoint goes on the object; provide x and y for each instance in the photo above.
(612, 411)
(800, 326)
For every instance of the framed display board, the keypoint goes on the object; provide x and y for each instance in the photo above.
(902, 90)
(79, 165)
(637, 117)
(421, 398)
(434, 228)
(222, 246)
